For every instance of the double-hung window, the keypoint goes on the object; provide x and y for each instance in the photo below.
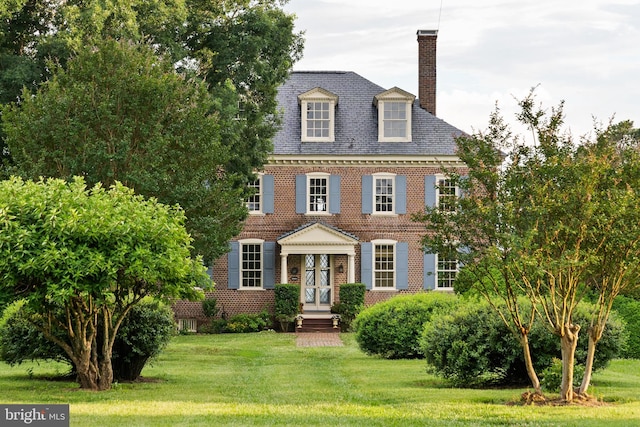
(440, 270)
(251, 265)
(394, 115)
(384, 194)
(385, 265)
(261, 201)
(318, 193)
(317, 109)
(441, 192)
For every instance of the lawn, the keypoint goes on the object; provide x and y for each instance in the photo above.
(265, 380)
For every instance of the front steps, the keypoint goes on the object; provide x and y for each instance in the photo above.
(325, 323)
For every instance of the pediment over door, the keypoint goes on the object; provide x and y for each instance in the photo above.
(317, 238)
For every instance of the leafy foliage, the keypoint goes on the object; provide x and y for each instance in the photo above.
(81, 272)
(392, 328)
(287, 303)
(243, 323)
(210, 307)
(144, 333)
(351, 303)
(472, 346)
(629, 310)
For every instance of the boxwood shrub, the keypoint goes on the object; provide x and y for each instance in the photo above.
(471, 346)
(392, 329)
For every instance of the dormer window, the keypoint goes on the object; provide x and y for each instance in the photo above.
(317, 108)
(394, 115)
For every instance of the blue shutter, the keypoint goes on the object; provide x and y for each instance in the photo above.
(401, 194)
(334, 194)
(402, 265)
(429, 271)
(301, 194)
(367, 194)
(267, 194)
(366, 261)
(430, 191)
(268, 265)
(233, 266)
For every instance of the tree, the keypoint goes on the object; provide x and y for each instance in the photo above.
(82, 258)
(242, 49)
(118, 112)
(552, 222)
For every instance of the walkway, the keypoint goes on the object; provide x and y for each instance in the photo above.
(318, 339)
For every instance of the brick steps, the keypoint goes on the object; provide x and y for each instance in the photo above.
(324, 325)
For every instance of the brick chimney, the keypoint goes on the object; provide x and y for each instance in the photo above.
(427, 69)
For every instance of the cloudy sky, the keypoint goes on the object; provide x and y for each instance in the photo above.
(585, 52)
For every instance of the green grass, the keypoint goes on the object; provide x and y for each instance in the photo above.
(265, 380)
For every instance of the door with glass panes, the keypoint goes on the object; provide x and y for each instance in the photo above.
(317, 282)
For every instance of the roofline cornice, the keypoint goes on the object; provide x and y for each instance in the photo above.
(372, 160)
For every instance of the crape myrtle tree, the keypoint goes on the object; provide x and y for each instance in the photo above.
(241, 49)
(82, 257)
(551, 222)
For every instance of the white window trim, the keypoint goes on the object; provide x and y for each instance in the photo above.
(440, 177)
(189, 325)
(374, 244)
(384, 175)
(310, 176)
(317, 95)
(381, 120)
(448, 288)
(260, 211)
(240, 269)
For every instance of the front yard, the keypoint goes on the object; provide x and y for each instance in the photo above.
(264, 379)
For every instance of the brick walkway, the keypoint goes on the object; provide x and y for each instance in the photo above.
(318, 339)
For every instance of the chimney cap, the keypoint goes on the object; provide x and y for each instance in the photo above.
(427, 33)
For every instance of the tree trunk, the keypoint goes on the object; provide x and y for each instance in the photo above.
(568, 342)
(595, 333)
(528, 361)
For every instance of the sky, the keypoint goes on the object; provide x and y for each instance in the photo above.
(583, 52)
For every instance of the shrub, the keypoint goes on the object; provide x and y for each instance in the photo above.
(210, 307)
(551, 378)
(287, 304)
(243, 323)
(629, 310)
(392, 329)
(20, 341)
(473, 347)
(143, 334)
(351, 303)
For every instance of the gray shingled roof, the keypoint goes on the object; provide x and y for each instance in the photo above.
(356, 120)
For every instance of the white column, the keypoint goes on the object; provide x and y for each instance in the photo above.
(351, 272)
(283, 268)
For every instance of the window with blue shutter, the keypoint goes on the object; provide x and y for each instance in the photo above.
(301, 194)
(269, 265)
(367, 194)
(430, 191)
(429, 275)
(267, 194)
(366, 267)
(401, 194)
(402, 265)
(233, 266)
(334, 194)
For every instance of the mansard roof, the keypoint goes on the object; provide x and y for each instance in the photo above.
(356, 120)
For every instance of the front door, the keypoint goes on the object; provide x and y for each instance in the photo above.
(317, 282)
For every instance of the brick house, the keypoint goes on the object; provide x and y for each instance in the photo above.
(333, 205)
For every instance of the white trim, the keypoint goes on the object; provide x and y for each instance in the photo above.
(365, 161)
(392, 177)
(260, 194)
(327, 177)
(439, 177)
(447, 288)
(374, 244)
(317, 95)
(252, 241)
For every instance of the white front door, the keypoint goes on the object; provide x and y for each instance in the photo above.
(317, 282)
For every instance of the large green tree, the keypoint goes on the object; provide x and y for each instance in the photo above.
(118, 112)
(242, 49)
(554, 221)
(83, 257)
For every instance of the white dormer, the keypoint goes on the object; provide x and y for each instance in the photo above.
(394, 115)
(317, 108)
